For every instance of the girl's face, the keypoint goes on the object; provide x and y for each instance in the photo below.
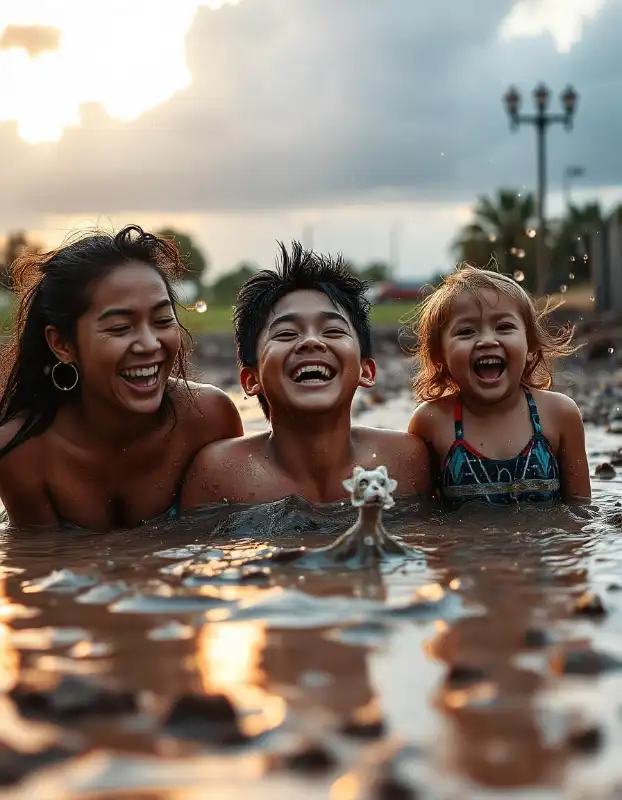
(128, 340)
(485, 345)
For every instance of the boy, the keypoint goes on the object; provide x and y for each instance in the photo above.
(304, 347)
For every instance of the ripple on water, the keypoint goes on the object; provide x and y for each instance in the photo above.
(464, 672)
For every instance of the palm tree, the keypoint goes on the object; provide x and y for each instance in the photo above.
(501, 229)
(572, 242)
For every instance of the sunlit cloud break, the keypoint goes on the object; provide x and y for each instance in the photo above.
(116, 54)
(563, 19)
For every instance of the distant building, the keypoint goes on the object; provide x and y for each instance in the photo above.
(605, 252)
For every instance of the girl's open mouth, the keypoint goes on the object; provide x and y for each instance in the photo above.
(489, 368)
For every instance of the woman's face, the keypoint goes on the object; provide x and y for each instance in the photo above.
(128, 340)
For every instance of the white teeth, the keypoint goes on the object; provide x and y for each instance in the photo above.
(323, 370)
(142, 372)
(489, 360)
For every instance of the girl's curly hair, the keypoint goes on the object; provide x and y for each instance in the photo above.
(545, 342)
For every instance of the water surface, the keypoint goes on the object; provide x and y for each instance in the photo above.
(163, 664)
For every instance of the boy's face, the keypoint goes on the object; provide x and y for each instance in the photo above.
(308, 356)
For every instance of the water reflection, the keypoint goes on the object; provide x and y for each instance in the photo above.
(448, 673)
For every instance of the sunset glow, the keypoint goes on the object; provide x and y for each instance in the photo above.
(123, 54)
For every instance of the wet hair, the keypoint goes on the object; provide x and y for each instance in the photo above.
(55, 288)
(302, 269)
(545, 342)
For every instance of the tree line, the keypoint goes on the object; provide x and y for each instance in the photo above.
(503, 229)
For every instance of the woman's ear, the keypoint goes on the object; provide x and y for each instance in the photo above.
(60, 348)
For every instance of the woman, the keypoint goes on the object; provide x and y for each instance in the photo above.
(98, 422)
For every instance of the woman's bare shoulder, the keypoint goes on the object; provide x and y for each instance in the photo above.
(207, 406)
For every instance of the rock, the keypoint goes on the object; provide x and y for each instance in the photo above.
(363, 730)
(587, 740)
(16, 765)
(586, 662)
(209, 717)
(589, 605)
(390, 788)
(535, 638)
(605, 471)
(311, 758)
(464, 674)
(72, 697)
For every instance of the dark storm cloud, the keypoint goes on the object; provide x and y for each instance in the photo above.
(296, 102)
(34, 39)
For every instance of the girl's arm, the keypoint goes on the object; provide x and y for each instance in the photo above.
(576, 487)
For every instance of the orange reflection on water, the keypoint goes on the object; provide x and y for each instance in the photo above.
(9, 656)
(228, 659)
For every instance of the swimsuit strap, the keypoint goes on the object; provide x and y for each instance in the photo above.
(458, 427)
(533, 413)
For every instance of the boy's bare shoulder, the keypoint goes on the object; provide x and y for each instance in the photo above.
(225, 450)
(382, 443)
(428, 414)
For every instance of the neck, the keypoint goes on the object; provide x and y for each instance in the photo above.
(478, 409)
(369, 516)
(315, 448)
(108, 425)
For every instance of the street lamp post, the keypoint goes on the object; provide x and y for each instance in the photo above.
(541, 120)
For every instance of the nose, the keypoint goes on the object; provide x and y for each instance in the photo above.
(311, 342)
(147, 340)
(487, 337)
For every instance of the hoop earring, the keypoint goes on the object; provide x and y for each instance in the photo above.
(59, 386)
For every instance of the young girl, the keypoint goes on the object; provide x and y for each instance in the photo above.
(488, 414)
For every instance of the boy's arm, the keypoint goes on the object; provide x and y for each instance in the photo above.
(419, 458)
(576, 487)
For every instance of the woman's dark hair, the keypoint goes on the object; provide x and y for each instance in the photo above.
(303, 269)
(55, 288)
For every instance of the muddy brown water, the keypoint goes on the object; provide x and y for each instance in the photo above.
(161, 664)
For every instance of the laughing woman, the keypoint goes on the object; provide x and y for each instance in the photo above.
(97, 420)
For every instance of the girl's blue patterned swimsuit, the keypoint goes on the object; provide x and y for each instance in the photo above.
(532, 476)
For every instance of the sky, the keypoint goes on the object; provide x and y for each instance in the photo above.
(367, 127)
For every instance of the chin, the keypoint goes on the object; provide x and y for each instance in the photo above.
(150, 405)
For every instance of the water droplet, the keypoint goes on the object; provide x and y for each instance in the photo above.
(563, 288)
(571, 276)
(531, 232)
(512, 251)
(572, 258)
(585, 257)
(610, 350)
(592, 299)
(200, 306)
(442, 154)
(519, 276)
(519, 195)
(520, 253)
(492, 237)
(373, 455)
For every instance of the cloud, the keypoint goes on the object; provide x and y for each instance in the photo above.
(34, 39)
(307, 102)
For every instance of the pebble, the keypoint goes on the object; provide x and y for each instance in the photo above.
(589, 605)
(605, 471)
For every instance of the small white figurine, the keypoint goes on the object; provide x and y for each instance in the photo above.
(371, 487)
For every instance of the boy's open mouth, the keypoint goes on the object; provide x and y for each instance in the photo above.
(313, 374)
(489, 368)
